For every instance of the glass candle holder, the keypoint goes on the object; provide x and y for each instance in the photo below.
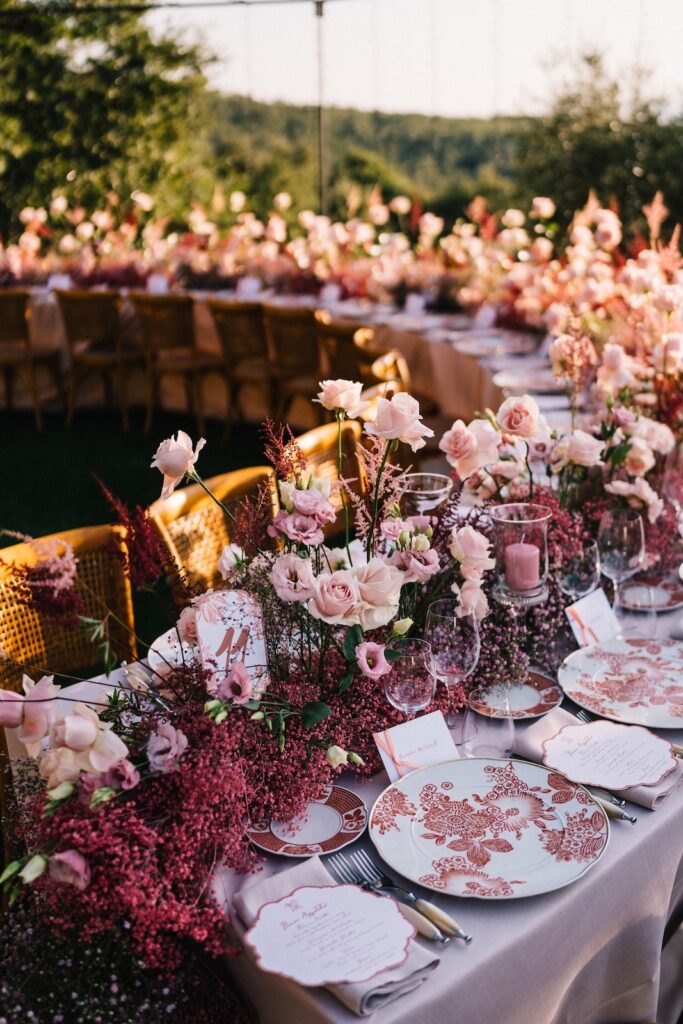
(521, 550)
(425, 494)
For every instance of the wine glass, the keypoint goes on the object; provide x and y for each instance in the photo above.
(580, 573)
(672, 487)
(410, 685)
(490, 736)
(621, 542)
(455, 646)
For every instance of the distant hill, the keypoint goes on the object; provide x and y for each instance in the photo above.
(441, 161)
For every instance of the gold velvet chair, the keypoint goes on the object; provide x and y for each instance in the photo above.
(245, 349)
(18, 358)
(195, 530)
(167, 329)
(293, 354)
(32, 642)
(92, 325)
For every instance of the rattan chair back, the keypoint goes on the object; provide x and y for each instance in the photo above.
(166, 322)
(292, 340)
(14, 315)
(341, 358)
(33, 644)
(240, 328)
(91, 317)
(195, 530)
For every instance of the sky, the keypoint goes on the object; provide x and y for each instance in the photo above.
(438, 57)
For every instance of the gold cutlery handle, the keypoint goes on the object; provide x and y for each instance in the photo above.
(424, 926)
(442, 920)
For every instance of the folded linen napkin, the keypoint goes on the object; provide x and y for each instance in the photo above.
(362, 998)
(529, 744)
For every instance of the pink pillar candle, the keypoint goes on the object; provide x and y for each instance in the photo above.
(522, 566)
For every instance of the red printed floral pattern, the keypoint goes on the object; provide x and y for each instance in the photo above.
(389, 807)
(632, 681)
(477, 883)
(581, 839)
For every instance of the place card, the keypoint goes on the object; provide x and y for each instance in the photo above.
(609, 755)
(230, 628)
(333, 934)
(416, 744)
(592, 619)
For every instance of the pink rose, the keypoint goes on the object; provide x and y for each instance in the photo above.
(122, 775)
(623, 417)
(636, 494)
(658, 436)
(75, 732)
(71, 868)
(519, 416)
(292, 577)
(458, 443)
(583, 449)
(415, 566)
(165, 747)
(312, 503)
(379, 589)
(237, 685)
(487, 441)
(371, 660)
(187, 625)
(616, 371)
(472, 599)
(639, 458)
(471, 549)
(342, 394)
(59, 765)
(398, 418)
(174, 458)
(336, 598)
(542, 208)
(299, 528)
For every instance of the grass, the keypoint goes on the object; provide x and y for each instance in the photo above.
(47, 478)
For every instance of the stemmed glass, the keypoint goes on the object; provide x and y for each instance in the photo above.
(621, 542)
(455, 645)
(672, 487)
(410, 685)
(580, 573)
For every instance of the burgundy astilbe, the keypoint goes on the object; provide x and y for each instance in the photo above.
(48, 586)
(282, 451)
(251, 519)
(145, 554)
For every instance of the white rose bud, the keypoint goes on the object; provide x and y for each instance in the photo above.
(401, 627)
(33, 868)
(356, 759)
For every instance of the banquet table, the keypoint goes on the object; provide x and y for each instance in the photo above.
(590, 953)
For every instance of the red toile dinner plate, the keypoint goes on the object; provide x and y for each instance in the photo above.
(328, 824)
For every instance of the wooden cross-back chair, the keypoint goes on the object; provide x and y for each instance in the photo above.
(293, 354)
(195, 530)
(18, 358)
(343, 348)
(320, 449)
(92, 325)
(245, 349)
(167, 330)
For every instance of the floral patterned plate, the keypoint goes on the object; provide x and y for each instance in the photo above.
(635, 681)
(667, 592)
(488, 828)
(536, 696)
(335, 820)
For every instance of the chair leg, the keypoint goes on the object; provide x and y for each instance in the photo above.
(108, 390)
(71, 398)
(123, 397)
(151, 395)
(198, 402)
(9, 388)
(33, 388)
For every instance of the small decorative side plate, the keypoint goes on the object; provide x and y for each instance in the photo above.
(667, 592)
(167, 652)
(609, 755)
(328, 824)
(536, 696)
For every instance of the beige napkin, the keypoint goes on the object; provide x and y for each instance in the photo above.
(529, 744)
(363, 998)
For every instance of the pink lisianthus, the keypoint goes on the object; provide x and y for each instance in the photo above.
(471, 549)
(230, 556)
(122, 775)
(392, 528)
(174, 458)
(519, 416)
(71, 868)
(637, 494)
(336, 598)
(11, 709)
(299, 528)
(371, 660)
(379, 590)
(415, 566)
(398, 419)
(472, 599)
(187, 625)
(37, 712)
(237, 685)
(342, 394)
(313, 503)
(165, 747)
(292, 577)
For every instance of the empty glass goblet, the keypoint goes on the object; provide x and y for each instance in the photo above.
(410, 685)
(621, 542)
(455, 645)
(580, 574)
(493, 736)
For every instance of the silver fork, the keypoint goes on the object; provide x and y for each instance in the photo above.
(376, 876)
(426, 928)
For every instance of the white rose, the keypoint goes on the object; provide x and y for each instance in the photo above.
(342, 394)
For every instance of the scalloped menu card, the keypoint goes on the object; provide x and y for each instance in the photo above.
(332, 934)
(230, 628)
(609, 755)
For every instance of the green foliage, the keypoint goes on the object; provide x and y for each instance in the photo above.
(606, 135)
(94, 103)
